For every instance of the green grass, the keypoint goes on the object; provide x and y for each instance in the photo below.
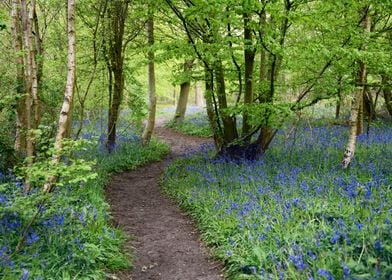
(195, 125)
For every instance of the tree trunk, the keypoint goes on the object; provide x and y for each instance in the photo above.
(117, 15)
(20, 137)
(184, 93)
(149, 128)
(199, 98)
(249, 56)
(68, 94)
(229, 123)
(355, 122)
(338, 106)
(31, 65)
(28, 70)
(211, 113)
(387, 94)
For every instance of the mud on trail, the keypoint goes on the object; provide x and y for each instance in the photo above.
(166, 245)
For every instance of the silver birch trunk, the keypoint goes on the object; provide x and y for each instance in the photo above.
(68, 94)
(28, 70)
(20, 136)
(149, 128)
(356, 115)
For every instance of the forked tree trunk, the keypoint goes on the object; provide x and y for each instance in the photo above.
(149, 128)
(20, 137)
(184, 93)
(68, 94)
(356, 117)
(229, 123)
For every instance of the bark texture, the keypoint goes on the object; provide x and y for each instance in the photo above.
(20, 137)
(68, 94)
(356, 116)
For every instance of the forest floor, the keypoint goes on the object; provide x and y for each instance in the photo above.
(166, 244)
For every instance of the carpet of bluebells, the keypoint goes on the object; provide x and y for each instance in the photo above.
(295, 214)
(71, 237)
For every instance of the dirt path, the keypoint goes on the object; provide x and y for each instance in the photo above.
(166, 244)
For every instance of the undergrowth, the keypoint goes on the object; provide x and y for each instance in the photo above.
(295, 214)
(70, 236)
(195, 125)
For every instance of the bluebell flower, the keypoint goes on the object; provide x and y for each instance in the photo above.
(25, 274)
(346, 271)
(324, 273)
(377, 246)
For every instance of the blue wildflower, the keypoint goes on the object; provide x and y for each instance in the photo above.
(25, 274)
(377, 246)
(325, 273)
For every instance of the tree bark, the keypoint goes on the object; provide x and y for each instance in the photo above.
(211, 113)
(229, 123)
(249, 56)
(20, 136)
(117, 15)
(31, 65)
(149, 128)
(387, 94)
(184, 93)
(355, 122)
(68, 94)
(28, 70)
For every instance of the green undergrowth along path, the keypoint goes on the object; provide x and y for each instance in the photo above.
(295, 214)
(71, 237)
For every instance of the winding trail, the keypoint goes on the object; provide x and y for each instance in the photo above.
(166, 244)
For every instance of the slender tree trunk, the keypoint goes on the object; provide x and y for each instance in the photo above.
(387, 94)
(184, 93)
(149, 128)
(20, 137)
(338, 106)
(68, 94)
(28, 80)
(211, 113)
(117, 16)
(31, 65)
(355, 122)
(339, 98)
(249, 55)
(229, 123)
